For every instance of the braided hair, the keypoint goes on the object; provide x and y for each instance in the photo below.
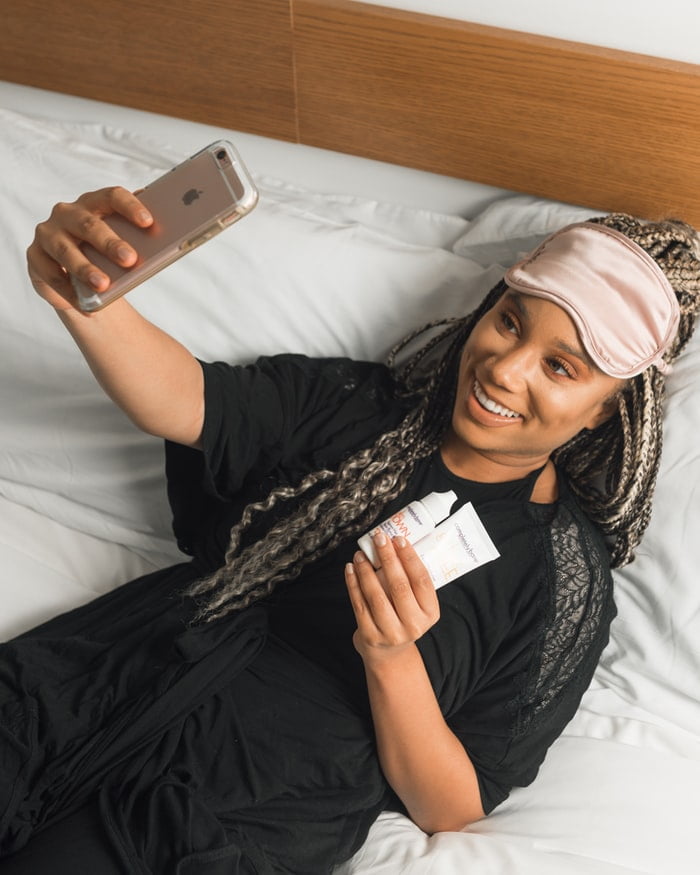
(612, 469)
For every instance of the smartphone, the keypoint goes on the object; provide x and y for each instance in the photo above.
(190, 204)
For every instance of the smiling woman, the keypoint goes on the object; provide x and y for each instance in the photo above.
(254, 709)
(526, 387)
(567, 343)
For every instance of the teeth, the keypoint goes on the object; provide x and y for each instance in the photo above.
(486, 402)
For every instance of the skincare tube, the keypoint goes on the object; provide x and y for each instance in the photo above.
(412, 522)
(456, 546)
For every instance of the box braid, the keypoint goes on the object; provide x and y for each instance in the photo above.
(612, 469)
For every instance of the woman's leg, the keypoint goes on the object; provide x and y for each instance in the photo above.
(77, 844)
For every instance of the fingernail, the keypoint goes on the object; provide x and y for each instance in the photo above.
(349, 568)
(123, 253)
(380, 539)
(400, 541)
(95, 280)
(143, 217)
(360, 556)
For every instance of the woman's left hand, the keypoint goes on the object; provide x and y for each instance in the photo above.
(394, 606)
(422, 759)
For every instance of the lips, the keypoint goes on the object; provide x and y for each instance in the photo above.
(492, 406)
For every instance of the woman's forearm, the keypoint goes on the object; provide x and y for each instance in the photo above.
(422, 759)
(147, 373)
(151, 376)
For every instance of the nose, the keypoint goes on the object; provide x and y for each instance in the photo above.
(510, 369)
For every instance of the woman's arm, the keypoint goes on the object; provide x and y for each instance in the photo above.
(152, 377)
(422, 759)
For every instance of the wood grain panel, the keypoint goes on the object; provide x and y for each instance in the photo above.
(564, 120)
(598, 127)
(225, 62)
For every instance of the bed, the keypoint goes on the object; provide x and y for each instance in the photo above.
(403, 161)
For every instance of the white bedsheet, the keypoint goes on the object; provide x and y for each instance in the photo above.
(47, 568)
(82, 503)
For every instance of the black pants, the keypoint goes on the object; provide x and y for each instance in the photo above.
(76, 844)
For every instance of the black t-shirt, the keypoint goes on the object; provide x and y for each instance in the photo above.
(518, 639)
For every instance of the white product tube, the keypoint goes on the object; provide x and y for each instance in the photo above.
(456, 546)
(412, 522)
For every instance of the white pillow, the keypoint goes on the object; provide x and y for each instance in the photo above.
(654, 656)
(511, 227)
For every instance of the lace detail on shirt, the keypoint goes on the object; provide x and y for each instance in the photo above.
(575, 624)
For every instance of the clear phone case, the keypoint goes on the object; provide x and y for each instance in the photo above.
(190, 204)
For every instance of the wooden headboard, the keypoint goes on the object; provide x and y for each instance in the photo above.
(597, 127)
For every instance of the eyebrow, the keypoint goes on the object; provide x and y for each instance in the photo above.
(576, 351)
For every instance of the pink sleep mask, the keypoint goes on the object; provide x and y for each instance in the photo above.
(623, 306)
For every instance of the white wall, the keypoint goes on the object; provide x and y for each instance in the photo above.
(666, 28)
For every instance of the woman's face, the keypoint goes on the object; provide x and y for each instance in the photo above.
(526, 386)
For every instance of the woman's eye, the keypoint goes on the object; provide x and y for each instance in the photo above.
(509, 323)
(559, 367)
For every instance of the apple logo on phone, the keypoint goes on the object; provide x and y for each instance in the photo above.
(191, 196)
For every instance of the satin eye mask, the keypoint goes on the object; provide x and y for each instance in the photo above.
(620, 300)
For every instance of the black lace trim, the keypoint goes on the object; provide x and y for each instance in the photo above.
(576, 618)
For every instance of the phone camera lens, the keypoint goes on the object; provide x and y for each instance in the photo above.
(221, 154)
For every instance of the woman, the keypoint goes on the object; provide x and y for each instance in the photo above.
(254, 709)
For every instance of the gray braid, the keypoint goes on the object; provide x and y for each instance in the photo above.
(354, 495)
(612, 469)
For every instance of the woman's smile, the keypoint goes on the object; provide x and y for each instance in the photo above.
(490, 410)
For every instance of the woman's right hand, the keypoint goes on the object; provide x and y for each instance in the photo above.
(55, 252)
(155, 380)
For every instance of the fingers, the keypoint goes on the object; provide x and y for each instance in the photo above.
(366, 625)
(116, 199)
(55, 250)
(49, 279)
(396, 605)
(405, 575)
(377, 619)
